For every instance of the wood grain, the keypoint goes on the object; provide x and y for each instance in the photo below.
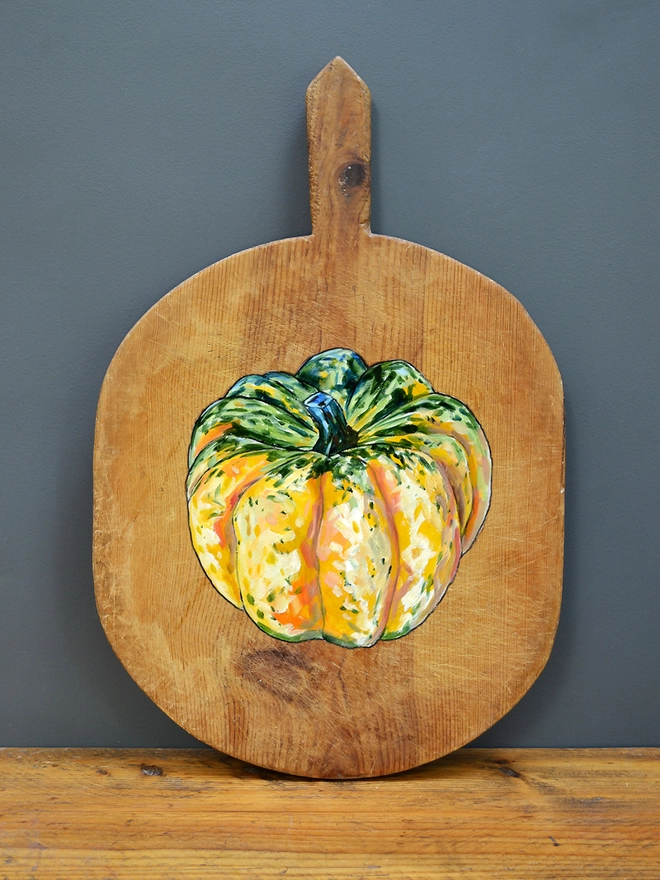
(314, 708)
(485, 814)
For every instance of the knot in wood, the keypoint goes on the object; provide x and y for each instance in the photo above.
(352, 175)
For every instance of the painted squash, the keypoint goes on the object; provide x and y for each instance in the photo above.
(336, 503)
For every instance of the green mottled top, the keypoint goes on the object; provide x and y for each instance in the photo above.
(333, 403)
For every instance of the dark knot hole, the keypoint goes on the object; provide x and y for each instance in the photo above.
(353, 175)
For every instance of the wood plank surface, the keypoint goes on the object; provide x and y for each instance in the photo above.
(315, 708)
(96, 814)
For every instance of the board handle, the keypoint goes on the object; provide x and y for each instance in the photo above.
(339, 143)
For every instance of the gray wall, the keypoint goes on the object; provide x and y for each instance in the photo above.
(143, 141)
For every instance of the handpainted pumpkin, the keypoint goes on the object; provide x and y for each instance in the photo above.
(336, 503)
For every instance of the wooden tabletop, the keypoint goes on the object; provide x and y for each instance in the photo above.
(96, 814)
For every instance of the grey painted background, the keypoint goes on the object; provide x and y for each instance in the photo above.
(144, 141)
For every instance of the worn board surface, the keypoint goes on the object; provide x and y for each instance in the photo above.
(314, 708)
(486, 814)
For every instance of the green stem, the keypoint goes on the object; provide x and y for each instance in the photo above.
(334, 432)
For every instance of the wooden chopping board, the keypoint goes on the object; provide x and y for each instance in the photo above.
(316, 708)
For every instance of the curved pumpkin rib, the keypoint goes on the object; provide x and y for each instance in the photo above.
(424, 511)
(426, 421)
(275, 523)
(273, 389)
(210, 511)
(260, 420)
(474, 442)
(203, 440)
(336, 372)
(447, 452)
(226, 447)
(357, 558)
(382, 389)
(298, 388)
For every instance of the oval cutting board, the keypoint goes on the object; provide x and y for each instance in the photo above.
(315, 708)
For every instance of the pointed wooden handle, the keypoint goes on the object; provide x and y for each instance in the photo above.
(339, 140)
